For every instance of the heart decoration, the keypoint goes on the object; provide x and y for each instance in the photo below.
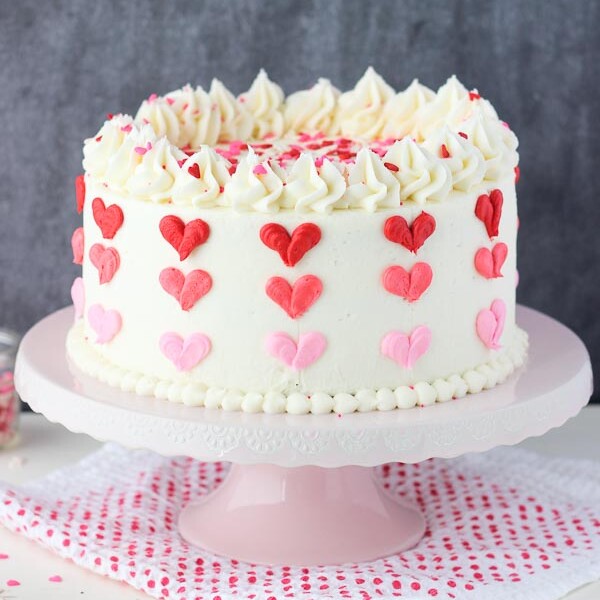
(77, 240)
(408, 285)
(293, 247)
(397, 230)
(406, 349)
(186, 353)
(106, 323)
(79, 192)
(106, 260)
(489, 263)
(490, 324)
(296, 299)
(109, 219)
(184, 237)
(78, 297)
(186, 289)
(488, 210)
(309, 348)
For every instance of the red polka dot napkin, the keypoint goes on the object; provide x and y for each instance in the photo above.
(501, 525)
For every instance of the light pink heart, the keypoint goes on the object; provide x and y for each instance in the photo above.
(489, 263)
(309, 348)
(490, 324)
(186, 353)
(106, 323)
(406, 349)
(78, 297)
(77, 245)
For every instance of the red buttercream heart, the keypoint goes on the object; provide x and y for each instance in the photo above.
(79, 192)
(109, 219)
(409, 285)
(397, 230)
(186, 289)
(489, 264)
(184, 237)
(488, 210)
(290, 248)
(296, 299)
(106, 260)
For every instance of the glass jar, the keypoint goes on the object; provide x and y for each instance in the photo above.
(9, 400)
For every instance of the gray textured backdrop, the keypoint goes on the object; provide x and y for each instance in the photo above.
(64, 65)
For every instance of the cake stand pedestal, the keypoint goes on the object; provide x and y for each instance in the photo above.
(300, 491)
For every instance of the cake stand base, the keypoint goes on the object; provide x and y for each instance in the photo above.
(301, 516)
(300, 490)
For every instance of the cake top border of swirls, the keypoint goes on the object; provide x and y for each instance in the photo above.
(318, 150)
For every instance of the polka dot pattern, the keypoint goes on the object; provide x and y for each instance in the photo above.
(500, 525)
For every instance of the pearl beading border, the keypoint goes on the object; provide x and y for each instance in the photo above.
(484, 377)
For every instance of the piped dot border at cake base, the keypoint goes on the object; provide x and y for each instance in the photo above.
(484, 377)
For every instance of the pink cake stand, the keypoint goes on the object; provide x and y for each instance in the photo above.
(300, 490)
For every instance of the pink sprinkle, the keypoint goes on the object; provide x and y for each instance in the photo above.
(141, 150)
(3, 556)
(126, 128)
(13, 583)
(319, 161)
(505, 124)
(152, 97)
(170, 101)
(55, 579)
(259, 170)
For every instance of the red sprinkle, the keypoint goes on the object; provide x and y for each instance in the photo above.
(99, 138)
(474, 95)
(517, 174)
(444, 151)
(194, 171)
(109, 116)
(463, 135)
(391, 166)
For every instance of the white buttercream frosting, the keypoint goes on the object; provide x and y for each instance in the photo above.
(371, 185)
(422, 176)
(465, 161)
(236, 120)
(206, 189)
(451, 141)
(153, 178)
(264, 100)
(254, 186)
(360, 111)
(199, 116)
(311, 110)
(400, 112)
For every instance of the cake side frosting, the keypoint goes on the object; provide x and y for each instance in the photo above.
(304, 271)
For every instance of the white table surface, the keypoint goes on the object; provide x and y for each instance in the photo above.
(45, 446)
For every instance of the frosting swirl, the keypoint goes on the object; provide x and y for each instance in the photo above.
(311, 110)
(308, 188)
(153, 178)
(236, 121)
(201, 179)
(371, 185)
(401, 110)
(199, 117)
(264, 100)
(465, 161)
(422, 176)
(125, 160)
(160, 115)
(487, 135)
(99, 150)
(359, 112)
(254, 186)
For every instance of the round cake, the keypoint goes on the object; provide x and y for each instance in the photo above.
(322, 252)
